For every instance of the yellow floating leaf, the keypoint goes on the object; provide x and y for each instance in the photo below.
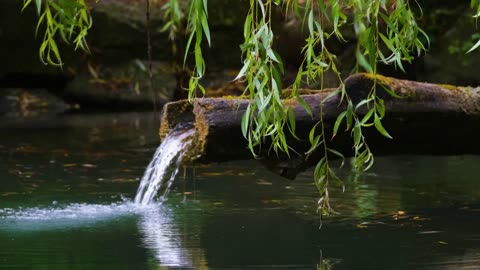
(265, 183)
(212, 174)
(245, 174)
(123, 180)
(70, 165)
(8, 193)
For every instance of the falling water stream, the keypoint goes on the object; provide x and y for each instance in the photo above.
(163, 168)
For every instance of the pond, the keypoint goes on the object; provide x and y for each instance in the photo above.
(67, 184)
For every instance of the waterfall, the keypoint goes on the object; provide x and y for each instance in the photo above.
(164, 166)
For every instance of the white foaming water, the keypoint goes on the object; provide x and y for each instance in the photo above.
(156, 224)
(66, 216)
(164, 166)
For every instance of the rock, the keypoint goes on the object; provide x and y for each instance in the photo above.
(447, 61)
(123, 86)
(30, 103)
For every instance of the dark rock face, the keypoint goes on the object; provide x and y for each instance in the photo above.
(124, 86)
(447, 60)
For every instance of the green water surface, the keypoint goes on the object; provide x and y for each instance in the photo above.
(67, 184)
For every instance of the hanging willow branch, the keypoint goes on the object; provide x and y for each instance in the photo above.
(386, 32)
(475, 4)
(198, 28)
(69, 19)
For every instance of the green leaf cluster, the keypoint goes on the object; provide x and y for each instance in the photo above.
(266, 118)
(172, 15)
(198, 28)
(66, 19)
(475, 4)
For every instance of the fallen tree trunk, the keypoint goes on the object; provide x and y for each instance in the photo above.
(427, 119)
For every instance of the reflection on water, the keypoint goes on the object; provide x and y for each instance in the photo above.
(327, 263)
(61, 208)
(469, 260)
(165, 239)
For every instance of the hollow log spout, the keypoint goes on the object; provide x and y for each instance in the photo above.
(428, 119)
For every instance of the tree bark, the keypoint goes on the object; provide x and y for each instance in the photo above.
(428, 119)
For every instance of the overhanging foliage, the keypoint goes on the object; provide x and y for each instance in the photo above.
(386, 32)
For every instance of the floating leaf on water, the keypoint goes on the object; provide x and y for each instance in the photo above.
(245, 174)
(87, 165)
(366, 223)
(26, 148)
(69, 165)
(265, 183)
(429, 232)
(271, 201)
(417, 218)
(123, 180)
(213, 174)
(4, 194)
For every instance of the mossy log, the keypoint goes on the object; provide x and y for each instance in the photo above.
(427, 119)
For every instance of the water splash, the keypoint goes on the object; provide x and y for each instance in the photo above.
(164, 166)
(67, 216)
(158, 227)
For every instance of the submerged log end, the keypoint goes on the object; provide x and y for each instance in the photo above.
(223, 114)
(174, 113)
(217, 124)
(181, 113)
